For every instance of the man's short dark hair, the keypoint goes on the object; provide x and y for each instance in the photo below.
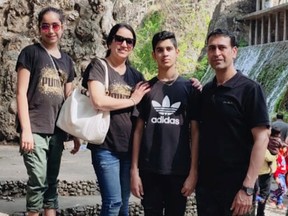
(225, 33)
(161, 36)
(280, 116)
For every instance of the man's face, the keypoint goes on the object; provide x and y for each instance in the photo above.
(165, 54)
(220, 52)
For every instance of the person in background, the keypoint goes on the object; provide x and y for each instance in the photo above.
(44, 79)
(165, 145)
(111, 160)
(267, 170)
(234, 133)
(277, 196)
(283, 126)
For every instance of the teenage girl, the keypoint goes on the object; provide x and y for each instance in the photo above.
(44, 80)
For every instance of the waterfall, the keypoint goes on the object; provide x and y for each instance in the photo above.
(267, 64)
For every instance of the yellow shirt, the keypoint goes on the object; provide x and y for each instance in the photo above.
(269, 159)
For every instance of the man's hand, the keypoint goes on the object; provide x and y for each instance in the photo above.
(242, 203)
(196, 83)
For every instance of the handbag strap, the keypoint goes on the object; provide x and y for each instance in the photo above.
(106, 75)
(54, 65)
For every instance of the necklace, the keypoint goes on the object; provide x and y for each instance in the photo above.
(169, 82)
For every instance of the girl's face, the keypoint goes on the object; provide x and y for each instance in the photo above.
(122, 44)
(51, 28)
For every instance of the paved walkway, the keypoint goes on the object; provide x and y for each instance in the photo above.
(73, 168)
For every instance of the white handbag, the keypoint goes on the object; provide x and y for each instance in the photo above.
(79, 118)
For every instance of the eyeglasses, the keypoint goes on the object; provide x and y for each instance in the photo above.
(45, 27)
(119, 40)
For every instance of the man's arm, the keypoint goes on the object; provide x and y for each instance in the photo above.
(242, 202)
(190, 182)
(261, 139)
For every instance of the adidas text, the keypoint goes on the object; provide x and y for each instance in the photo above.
(163, 120)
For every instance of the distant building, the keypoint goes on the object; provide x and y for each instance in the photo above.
(269, 22)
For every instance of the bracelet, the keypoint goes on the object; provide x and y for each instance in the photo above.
(132, 99)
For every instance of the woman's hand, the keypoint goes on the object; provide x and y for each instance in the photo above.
(77, 145)
(140, 90)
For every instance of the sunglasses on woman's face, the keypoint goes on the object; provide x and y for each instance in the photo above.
(45, 27)
(119, 40)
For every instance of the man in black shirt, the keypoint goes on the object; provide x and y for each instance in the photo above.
(233, 133)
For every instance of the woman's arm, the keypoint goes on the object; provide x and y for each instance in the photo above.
(103, 102)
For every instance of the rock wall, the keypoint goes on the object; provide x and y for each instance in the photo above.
(87, 24)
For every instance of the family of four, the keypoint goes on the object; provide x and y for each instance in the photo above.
(166, 138)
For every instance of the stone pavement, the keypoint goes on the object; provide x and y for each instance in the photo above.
(73, 168)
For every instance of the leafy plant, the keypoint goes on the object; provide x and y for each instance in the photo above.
(142, 57)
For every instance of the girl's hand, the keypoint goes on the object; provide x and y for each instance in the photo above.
(27, 141)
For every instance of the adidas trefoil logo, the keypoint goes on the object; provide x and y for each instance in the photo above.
(165, 109)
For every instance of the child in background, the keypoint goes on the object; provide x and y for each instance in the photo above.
(279, 176)
(268, 168)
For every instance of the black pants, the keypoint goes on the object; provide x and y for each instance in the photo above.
(264, 184)
(216, 201)
(162, 194)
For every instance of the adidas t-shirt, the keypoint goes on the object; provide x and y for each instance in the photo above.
(167, 111)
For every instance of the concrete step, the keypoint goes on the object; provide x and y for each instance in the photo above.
(19, 204)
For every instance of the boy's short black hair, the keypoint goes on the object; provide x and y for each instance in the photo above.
(163, 35)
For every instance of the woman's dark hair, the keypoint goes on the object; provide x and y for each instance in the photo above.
(161, 36)
(225, 33)
(113, 32)
(50, 9)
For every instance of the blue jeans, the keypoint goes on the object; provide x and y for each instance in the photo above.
(113, 175)
(279, 197)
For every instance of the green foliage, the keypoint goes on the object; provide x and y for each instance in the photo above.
(142, 57)
(269, 75)
(242, 42)
(281, 103)
(201, 68)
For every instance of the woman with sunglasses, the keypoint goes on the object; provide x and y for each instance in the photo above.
(111, 160)
(44, 79)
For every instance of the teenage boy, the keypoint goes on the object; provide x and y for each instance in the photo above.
(165, 144)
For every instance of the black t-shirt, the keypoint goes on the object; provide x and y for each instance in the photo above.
(118, 138)
(45, 91)
(167, 111)
(228, 113)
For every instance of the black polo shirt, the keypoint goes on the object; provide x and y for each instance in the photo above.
(228, 113)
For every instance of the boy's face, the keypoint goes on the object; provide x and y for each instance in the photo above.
(165, 54)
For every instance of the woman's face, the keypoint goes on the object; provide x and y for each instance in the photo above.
(51, 28)
(122, 44)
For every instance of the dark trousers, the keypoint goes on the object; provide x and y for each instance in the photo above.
(263, 183)
(162, 194)
(216, 201)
